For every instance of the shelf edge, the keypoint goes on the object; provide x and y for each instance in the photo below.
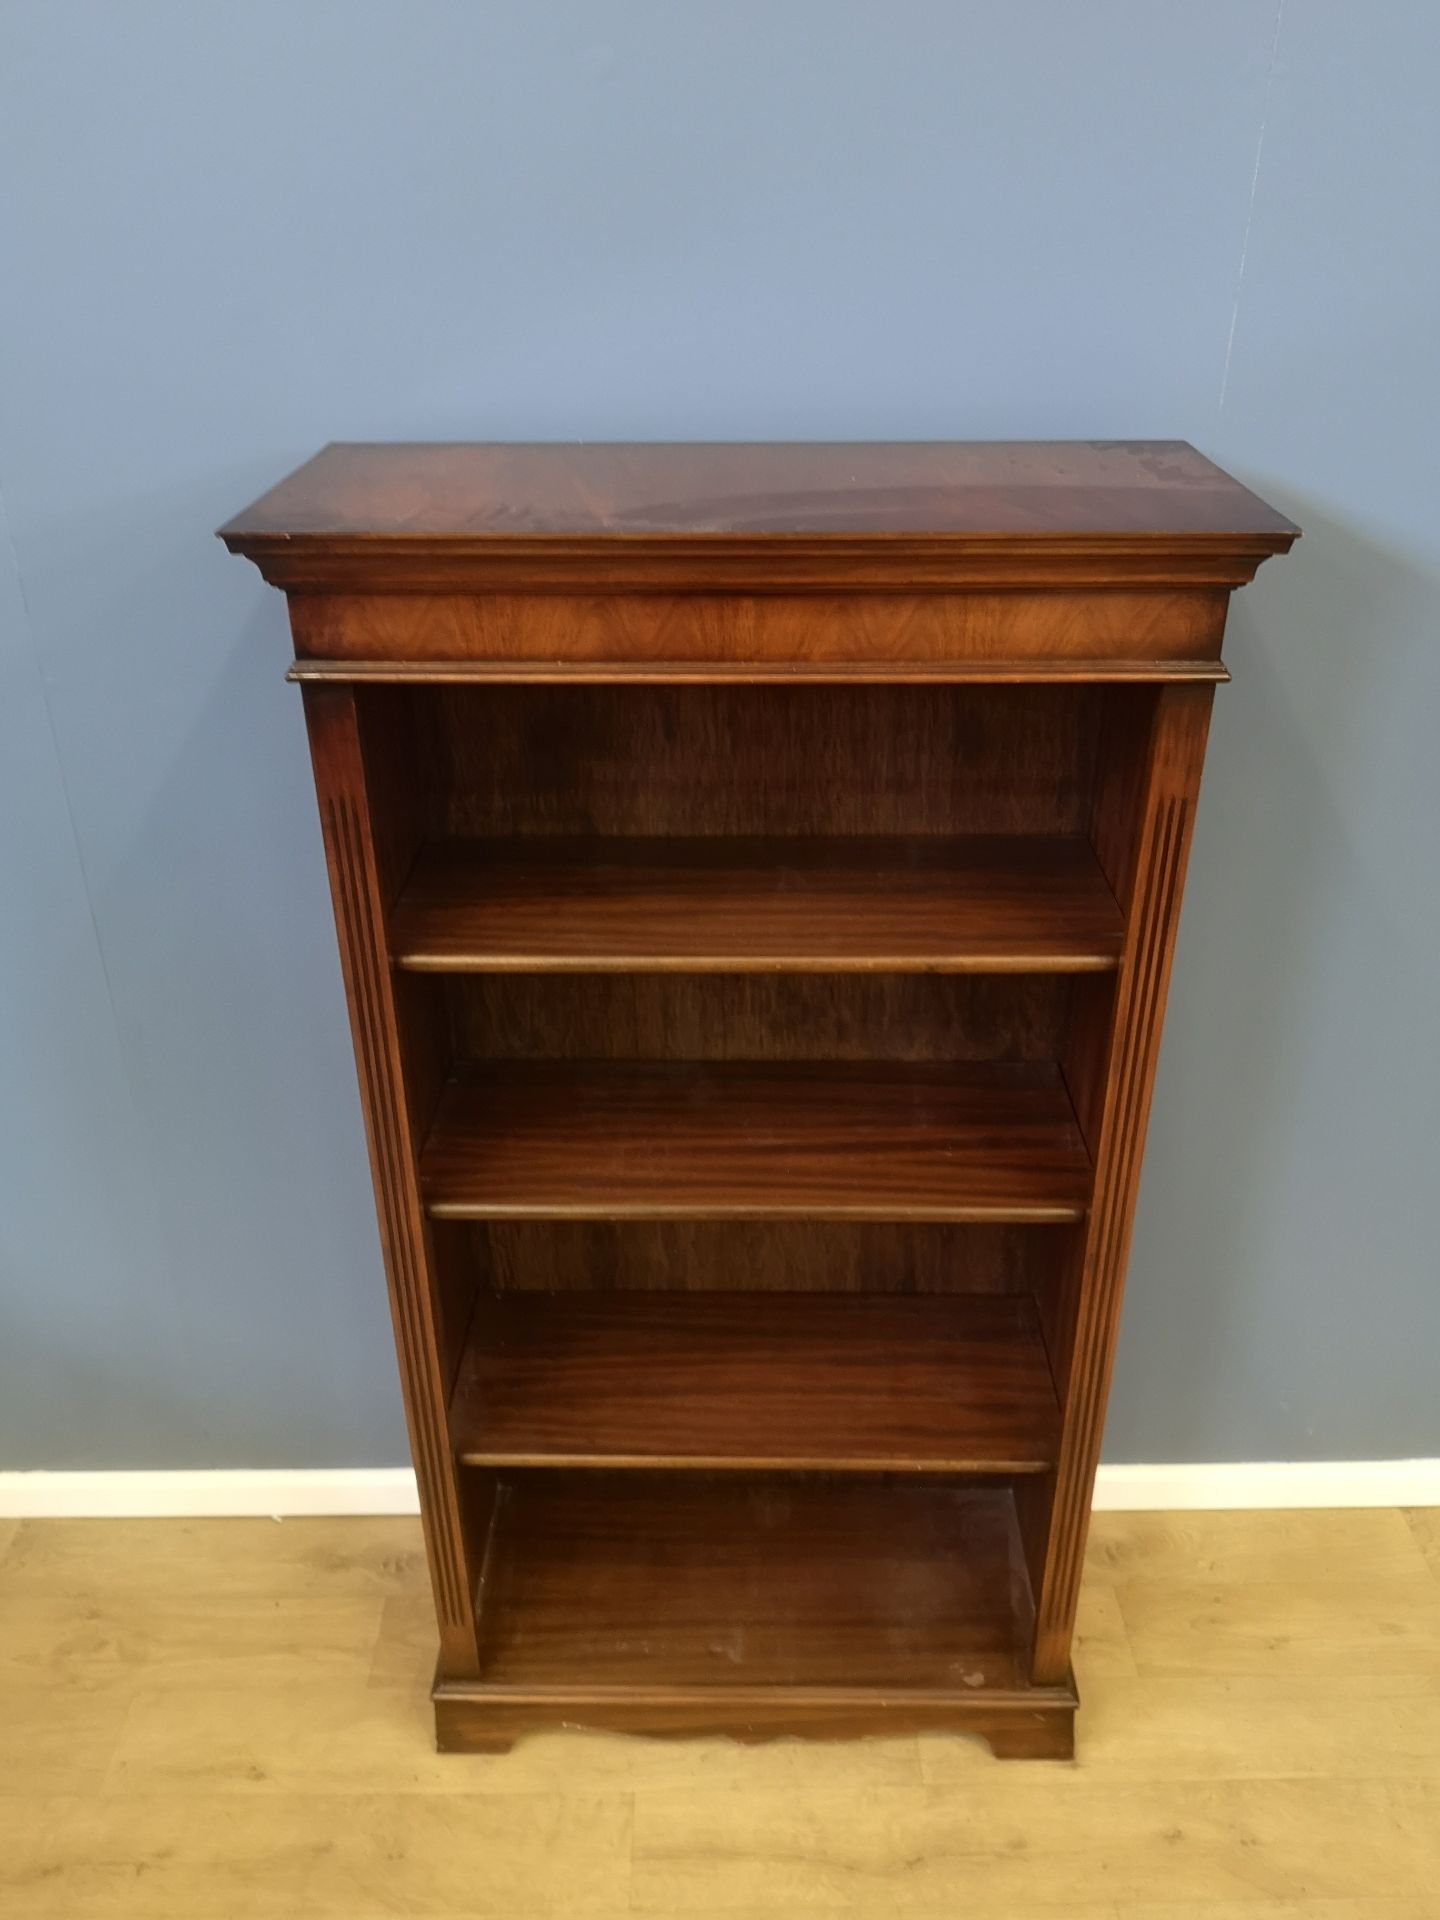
(756, 672)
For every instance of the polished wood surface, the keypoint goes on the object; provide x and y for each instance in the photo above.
(1168, 753)
(661, 1603)
(757, 873)
(1163, 632)
(740, 1140)
(1063, 487)
(767, 1256)
(645, 1378)
(784, 1018)
(978, 905)
(751, 673)
(755, 762)
(391, 1076)
(368, 517)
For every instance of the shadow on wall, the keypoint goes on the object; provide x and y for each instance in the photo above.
(280, 1166)
(214, 1294)
(1279, 1102)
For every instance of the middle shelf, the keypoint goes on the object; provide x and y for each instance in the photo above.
(979, 903)
(950, 1383)
(757, 1140)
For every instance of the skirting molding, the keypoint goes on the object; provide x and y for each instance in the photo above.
(287, 1492)
(278, 1492)
(1229, 1484)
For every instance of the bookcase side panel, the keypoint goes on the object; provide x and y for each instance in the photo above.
(1160, 787)
(387, 1093)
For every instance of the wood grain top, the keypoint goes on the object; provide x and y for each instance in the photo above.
(955, 1383)
(755, 1140)
(446, 516)
(860, 487)
(983, 903)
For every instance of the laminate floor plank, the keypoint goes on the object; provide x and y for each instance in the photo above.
(267, 1559)
(230, 1718)
(1305, 1545)
(361, 1739)
(1054, 1834)
(1424, 1525)
(1266, 1628)
(1148, 1727)
(230, 1857)
(184, 1641)
(1421, 1909)
(59, 1739)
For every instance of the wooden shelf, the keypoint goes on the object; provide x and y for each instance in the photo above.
(864, 1382)
(746, 1140)
(654, 1583)
(995, 904)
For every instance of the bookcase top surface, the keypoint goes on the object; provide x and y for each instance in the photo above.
(818, 513)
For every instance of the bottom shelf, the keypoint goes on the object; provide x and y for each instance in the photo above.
(753, 1606)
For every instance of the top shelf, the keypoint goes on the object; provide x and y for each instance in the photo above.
(984, 904)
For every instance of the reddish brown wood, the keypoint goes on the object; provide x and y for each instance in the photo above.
(387, 1097)
(871, 1019)
(767, 1256)
(998, 904)
(1152, 884)
(736, 516)
(757, 873)
(1033, 1723)
(749, 1606)
(772, 762)
(656, 1140)
(597, 1580)
(642, 1378)
(937, 635)
(752, 673)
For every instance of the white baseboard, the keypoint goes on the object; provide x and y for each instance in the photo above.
(278, 1492)
(1229, 1484)
(286, 1492)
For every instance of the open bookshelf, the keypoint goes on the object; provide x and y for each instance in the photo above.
(756, 916)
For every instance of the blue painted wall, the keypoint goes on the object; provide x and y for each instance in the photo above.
(235, 232)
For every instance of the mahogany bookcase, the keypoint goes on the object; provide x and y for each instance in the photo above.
(756, 871)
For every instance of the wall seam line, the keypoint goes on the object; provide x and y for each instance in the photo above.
(34, 653)
(1250, 207)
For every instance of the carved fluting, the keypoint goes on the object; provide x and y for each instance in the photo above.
(398, 1214)
(1139, 1020)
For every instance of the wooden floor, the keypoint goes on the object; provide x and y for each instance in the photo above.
(230, 1718)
